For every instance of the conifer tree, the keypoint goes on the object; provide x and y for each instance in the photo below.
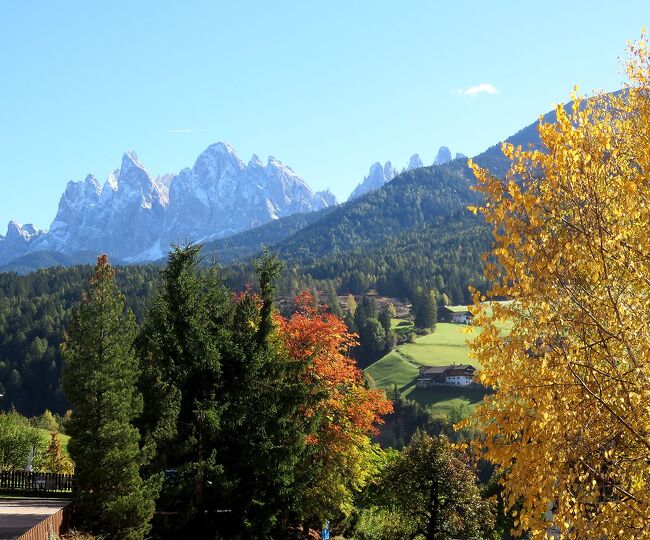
(385, 319)
(332, 300)
(180, 354)
(264, 431)
(47, 421)
(425, 309)
(54, 461)
(386, 316)
(352, 305)
(99, 379)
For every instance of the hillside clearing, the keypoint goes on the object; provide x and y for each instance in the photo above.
(393, 369)
(445, 399)
(446, 345)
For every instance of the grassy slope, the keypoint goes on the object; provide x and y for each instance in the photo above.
(446, 345)
(442, 400)
(393, 369)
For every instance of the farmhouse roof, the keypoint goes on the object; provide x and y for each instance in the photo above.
(434, 370)
(439, 370)
(458, 309)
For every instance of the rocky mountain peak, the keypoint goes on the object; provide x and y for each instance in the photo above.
(18, 241)
(216, 160)
(132, 173)
(327, 197)
(255, 161)
(443, 156)
(16, 231)
(379, 175)
(135, 216)
(414, 162)
(91, 185)
(376, 170)
(221, 196)
(389, 171)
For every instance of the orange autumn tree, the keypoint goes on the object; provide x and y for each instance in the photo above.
(54, 461)
(341, 456)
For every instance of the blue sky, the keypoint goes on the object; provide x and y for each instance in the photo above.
(326, 87)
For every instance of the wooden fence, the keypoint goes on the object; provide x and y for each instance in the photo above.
(37, 483)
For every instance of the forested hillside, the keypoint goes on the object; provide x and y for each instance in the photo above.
(413, 232)
(47, 259)
(33, 313)
(248, 243)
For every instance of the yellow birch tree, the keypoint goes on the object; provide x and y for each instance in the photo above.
(569, 424)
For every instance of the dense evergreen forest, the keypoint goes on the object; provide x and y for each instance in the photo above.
(227, 419)
(47, 259)
(34, 308)
(415, 231)
(247, 244)
(33, 312)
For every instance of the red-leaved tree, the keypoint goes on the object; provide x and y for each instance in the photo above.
(344, 412)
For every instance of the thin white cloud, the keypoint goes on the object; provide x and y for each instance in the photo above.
(483, 88)
(180, 130)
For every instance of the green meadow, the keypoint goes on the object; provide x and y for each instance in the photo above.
(445, 399)
(446, 345)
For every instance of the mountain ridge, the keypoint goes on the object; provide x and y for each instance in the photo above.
(380, 175)
(134, 215)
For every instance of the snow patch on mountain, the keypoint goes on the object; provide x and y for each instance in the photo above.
(220, 195)
(18, 241)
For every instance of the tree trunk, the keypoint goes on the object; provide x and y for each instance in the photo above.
(434, 506)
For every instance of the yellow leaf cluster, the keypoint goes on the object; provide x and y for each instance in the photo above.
(569, 424)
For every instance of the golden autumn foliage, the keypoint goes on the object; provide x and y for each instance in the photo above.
(54, 461)
(569, 424)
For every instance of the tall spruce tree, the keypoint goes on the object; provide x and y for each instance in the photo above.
(99, 379)
(332, 300)
(386, 316)
(179, 348)
(264, 429)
